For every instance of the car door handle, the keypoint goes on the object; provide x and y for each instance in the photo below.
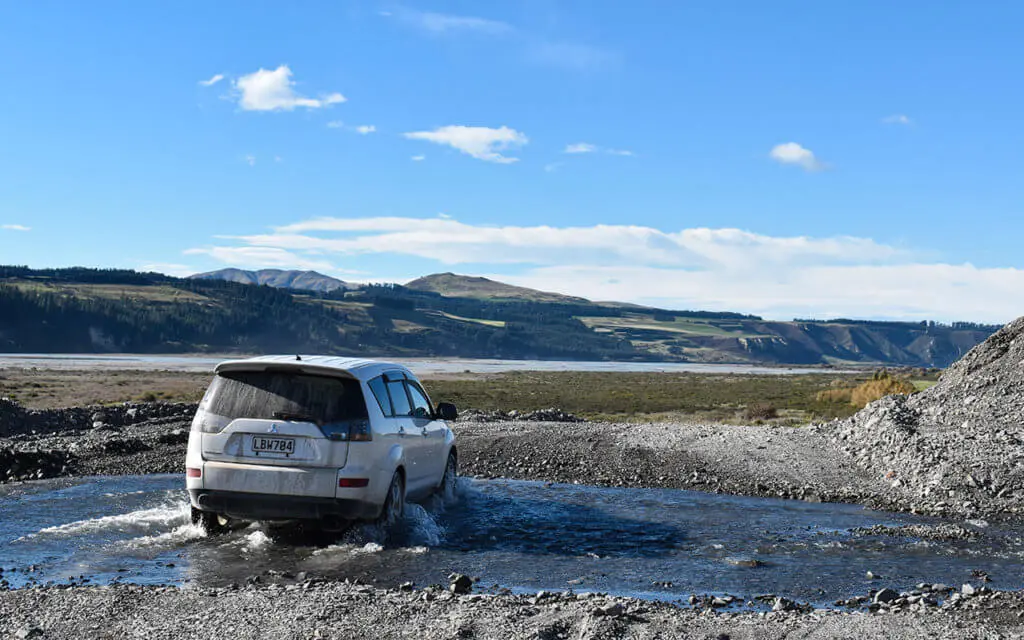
(401, 431)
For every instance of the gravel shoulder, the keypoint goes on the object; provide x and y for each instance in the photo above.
(339, 610)
(779, 462)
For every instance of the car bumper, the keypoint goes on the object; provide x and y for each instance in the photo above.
(267, 506)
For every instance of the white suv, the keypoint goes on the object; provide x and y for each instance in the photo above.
(315, 439)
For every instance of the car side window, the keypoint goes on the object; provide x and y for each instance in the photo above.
(399, 398)
(420, 404)
(380, 392)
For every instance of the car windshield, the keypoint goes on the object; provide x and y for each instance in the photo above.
(284, 396)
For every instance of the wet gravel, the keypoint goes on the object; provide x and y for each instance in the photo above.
(291, 609)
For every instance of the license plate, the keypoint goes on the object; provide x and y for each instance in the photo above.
(263, 444)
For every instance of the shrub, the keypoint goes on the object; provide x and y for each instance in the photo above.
(880, 385)
(761, 411)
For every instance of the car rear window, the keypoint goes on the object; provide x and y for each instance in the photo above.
(272, 395)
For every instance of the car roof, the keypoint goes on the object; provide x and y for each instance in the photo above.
(358, 368)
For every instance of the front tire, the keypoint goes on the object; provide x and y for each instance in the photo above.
(214, 524)
(450, 478)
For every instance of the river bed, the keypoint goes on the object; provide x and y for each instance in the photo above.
(516, 535)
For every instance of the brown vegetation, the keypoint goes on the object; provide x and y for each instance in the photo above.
(881, 384)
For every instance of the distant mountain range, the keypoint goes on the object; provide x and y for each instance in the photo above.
(298, 280)
(442, 315)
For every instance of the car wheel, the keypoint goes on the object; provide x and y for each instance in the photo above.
(214, 524)
(450, 478)
(394, 503)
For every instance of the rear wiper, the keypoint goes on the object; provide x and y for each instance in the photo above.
(295, 417)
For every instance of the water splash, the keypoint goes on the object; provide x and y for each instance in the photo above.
(141, 521)
(167, 540)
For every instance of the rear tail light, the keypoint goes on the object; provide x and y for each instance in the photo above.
(359, 431)
(193, 472)
(352, 431)
(353, 483)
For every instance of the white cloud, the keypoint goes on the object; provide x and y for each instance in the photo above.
(250, 160)
(363, 129)
(15, 227)
(483, 143)
(419, 158)
(938, 291)
(260, 257)
(278, 159)
(580, 147)
(170, 269)
(212, 81)
(267, 90)
(898, 118)
(551, 167)
(793, 153)
(586, 147)
(441, 23)
(696, 268)
(573, 56)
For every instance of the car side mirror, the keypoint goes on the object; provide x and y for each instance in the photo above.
(447, 411)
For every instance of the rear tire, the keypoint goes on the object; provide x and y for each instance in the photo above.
(394, 503)
(214, 524)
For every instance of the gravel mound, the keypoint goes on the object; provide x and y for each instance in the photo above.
(957, 448)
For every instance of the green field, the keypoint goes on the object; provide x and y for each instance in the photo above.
(679, 325)
(650, 396)
(451, 316)
(594, 395)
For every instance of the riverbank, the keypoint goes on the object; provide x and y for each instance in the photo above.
(338, 610)
(815, 463)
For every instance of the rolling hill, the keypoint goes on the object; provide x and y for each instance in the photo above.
(299, 280)
(89, 310)
(457, 286)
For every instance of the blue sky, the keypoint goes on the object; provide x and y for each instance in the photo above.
(787, 158)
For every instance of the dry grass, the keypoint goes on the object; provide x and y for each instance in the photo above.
(44, 389)
(880, 385)
(641, 397)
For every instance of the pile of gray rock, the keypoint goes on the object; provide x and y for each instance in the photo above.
(957, 448)
(128, 438)
(540, 415)
(17, 420)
